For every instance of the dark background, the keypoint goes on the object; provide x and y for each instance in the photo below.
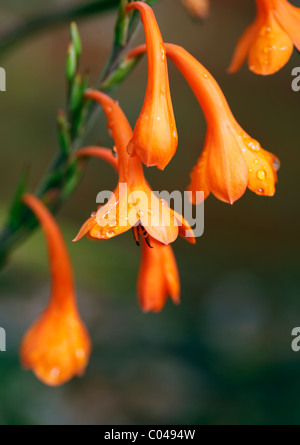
(224, 355)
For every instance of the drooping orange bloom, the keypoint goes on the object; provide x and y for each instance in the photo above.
(155, 137)
(197, 8)
(231, 160)
(269, 40)
(57, 346)
(158, 276)
(133, 201)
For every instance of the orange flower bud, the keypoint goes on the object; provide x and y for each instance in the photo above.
(57, 346)
(197, 8)
(155, 137)
(158, 276)
(268, 41)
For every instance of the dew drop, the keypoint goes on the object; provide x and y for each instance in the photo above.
(261, 175)
(276, 164)
(80, 354)
(110, 233)
(205, 75)
(267, 49)
(93, 214)
(162, 201)
(259, 191)
(55, 372)
(256, 161)
(150, 212)
(158, 118)
(140, 214)
(109, 130)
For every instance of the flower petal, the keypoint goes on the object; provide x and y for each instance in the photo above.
(243, 47)
(85, 228)
(271, 49)
(157, 218)
(289, 18)
(155, 136)
(261, 172)
(227, 173)
(112, 218)
(198, 178)
(56, 347)
(185, 230)
(158, 276)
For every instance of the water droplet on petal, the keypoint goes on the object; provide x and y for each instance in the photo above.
(256, 161)
(110, 233)
(259, 191)
(276, 164)
(93, 214)
(140, 214)
(151, 212)
(261, 175)
(80, 354)
(267, 49)
(55, 372)
(205, 75)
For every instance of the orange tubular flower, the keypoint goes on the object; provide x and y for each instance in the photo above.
(231, 160)
(57, 346)
(197, 8)
(155, 136)
(158, 276)
(133, 201)
(269, 41)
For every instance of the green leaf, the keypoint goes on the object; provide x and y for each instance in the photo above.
(75, 39)
(119, 74)
(71, 63)
(63, 133)
(17, 205)
(76, 95)
(121, 27)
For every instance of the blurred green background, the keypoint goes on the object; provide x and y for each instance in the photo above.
(224, 355)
